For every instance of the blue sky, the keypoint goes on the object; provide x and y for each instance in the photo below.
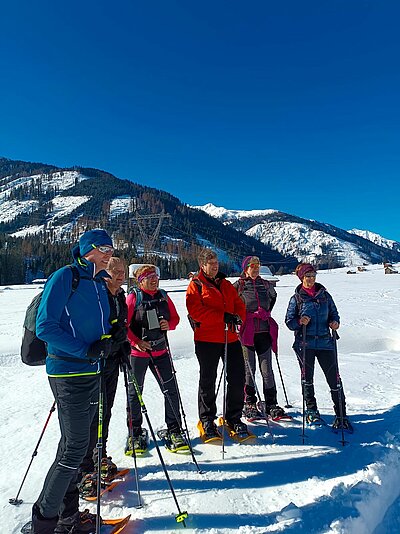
(248, 105)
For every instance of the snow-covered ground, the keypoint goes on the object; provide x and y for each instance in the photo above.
(277, 485)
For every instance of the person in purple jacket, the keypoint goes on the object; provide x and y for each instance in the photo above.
(312, 309)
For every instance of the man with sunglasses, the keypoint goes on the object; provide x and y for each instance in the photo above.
(75, 325)
(312, 310)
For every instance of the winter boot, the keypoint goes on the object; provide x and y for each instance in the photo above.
(313, 418)
(40, 524)
(344, 423)
(79, 523)
(108, 469)
(275, 411)
(210, 430)
(250, 412)
(88, 486)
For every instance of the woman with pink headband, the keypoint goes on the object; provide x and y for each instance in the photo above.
(151, 313)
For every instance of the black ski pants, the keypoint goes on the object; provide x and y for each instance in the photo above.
(262, 346)
(208, 355)
(327, 361)
(166, 381)
(110, 382)
(77, 402)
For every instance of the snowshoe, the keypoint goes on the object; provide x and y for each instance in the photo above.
(116, 525)
(209, 432)
(342, 423)
(313, 418)
(173, 441)
(140, 444)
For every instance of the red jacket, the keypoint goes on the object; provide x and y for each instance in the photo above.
(173, 323)
(207, 304)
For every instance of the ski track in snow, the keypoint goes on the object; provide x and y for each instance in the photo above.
(279, 485)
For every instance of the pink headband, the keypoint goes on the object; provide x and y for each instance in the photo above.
(146, 274)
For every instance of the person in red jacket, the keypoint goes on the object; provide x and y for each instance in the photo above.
(151, 313)
(215, 309)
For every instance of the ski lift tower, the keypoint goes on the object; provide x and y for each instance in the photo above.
(149, 237)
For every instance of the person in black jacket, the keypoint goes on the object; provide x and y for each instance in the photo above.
(120, 350)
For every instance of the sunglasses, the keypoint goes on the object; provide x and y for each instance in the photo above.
(310, 275)
(105, 249)
(253, 265)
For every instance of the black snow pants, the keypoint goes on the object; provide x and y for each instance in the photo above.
(110, 382)
(77, 403)
(326, 359)
(209, 354)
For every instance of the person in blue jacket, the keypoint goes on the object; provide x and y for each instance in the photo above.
(312, 309)
(75, 326)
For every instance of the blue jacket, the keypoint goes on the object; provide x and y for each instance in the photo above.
(69, 322)
(321, 309)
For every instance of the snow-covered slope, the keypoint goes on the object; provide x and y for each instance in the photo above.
(376, 238)
(305, 243)
(307, 240)
(229, 215)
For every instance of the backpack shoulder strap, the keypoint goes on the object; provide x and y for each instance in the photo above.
(75, 277)
(198, 284)
(240, 286)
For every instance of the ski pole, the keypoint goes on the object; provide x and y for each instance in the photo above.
(287, 405)
(263, 411)
(181, 516)
(335, 336)
(303, 377)
(224, 390)
(201, 472)
(99, 447)
(129, 413)
(15, 500)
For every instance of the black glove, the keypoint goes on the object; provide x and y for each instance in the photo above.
(118, 333)
(232, 321)
(100, 349)
(125, 353)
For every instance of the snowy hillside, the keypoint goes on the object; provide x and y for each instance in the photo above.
(305, 243)
(276, 484)
(376, 238)
(229, 215)
(60, 206)
(306, 240)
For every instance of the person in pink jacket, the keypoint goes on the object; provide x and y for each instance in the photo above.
(151, 313)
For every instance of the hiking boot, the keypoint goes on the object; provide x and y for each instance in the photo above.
(177, 440)
(139, 443)
(108, 468)
(88, 486)
(79, 523)
(40, 524)
(210, 430)
(313, 417)
(340, 423)
(275, 411)
(239, 427)
(250, 411)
